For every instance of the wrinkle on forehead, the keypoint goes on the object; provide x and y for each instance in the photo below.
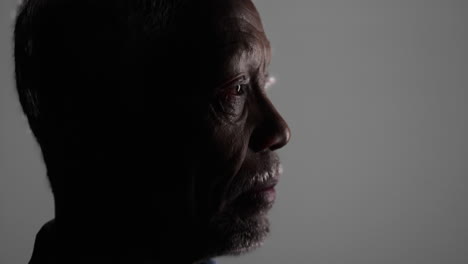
(231, 37)
(244, 41)
(248, 53)
(241, 9)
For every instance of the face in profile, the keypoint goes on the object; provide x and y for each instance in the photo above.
(218, 130)
(235, 128)
(162, 142)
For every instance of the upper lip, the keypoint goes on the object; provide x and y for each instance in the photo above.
(256, 181)
(264, 180)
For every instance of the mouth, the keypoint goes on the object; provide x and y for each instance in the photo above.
(263, 186)
(259, 193)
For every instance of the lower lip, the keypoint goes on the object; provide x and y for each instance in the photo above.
(255, 201)
(268, 193)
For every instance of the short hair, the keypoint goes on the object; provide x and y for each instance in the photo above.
(69, 53)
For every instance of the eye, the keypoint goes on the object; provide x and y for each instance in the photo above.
(235, 87)
(231, 97)
(240, 88)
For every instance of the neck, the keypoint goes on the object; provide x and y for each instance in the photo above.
(59, 243)
(112, 220)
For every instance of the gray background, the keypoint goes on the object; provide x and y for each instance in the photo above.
(375, 93)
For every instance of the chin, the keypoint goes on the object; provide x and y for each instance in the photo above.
(236, 233)
(250, 238)
(240, 224)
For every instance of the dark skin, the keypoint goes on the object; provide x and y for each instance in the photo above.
(174, 162)
(243, 126)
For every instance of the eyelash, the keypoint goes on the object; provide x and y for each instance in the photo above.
(237, 88)
(230, 99)
(241, 88)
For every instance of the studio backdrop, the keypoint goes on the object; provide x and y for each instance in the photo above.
(376, 95)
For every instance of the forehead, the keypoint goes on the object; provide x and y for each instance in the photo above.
(242, 47)
(235, 37)
(241, 11)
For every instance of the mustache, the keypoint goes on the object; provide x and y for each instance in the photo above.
(258, 173)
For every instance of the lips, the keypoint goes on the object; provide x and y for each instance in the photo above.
(259, 191)
(263, 184)
(264, 181)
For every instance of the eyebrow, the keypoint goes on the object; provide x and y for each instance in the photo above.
(245, 44)
(231, 80)
(235, 48)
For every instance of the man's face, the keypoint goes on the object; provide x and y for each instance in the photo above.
(171, 144)
(235, 129)
(216, 130)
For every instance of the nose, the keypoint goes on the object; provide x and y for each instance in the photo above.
(272, 132)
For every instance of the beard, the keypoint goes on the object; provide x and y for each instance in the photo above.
(235, 234)
(241, 224)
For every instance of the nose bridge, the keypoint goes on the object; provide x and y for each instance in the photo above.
(271, 130)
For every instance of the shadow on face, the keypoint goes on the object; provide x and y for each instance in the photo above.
(162, 136)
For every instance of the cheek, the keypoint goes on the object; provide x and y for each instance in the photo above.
(224, 156)
(231, 145)
(230, 142)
